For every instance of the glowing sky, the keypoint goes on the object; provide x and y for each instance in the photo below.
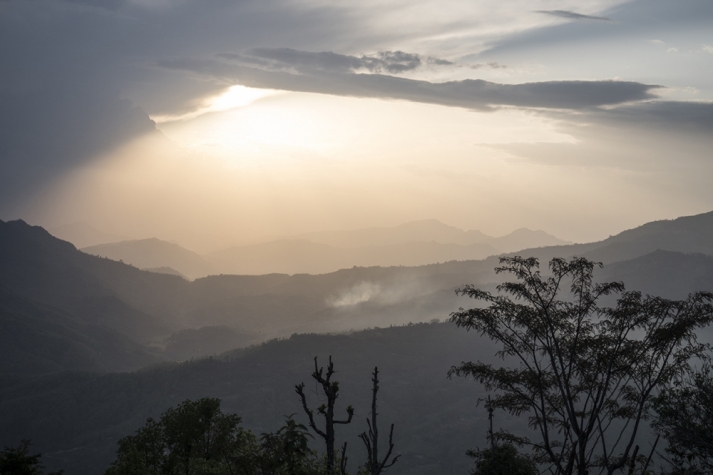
(213, 123)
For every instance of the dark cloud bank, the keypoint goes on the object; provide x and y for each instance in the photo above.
(331, 73)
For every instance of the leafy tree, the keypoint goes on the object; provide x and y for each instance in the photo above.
(685, 418)
(195, 434)
(374, 465)
(287, 452)
(501, 460)
(141, 453)
(18, 461)
(331, 392)
(195, 437)
(586, 374)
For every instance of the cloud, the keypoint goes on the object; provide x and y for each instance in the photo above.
(707, 49)
(78, 77)
(679, 116)
(669, 138)
(469, 93)
(573, 16)
(288, 59)
(493, 65)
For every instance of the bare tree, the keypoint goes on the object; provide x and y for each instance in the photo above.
(371, 440)
(586, 374)
(331, 391)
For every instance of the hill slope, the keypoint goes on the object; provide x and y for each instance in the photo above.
(148, 308)
(153, 253)
(82, 234)
(42, 268)
(688, 234)
(36, 339)
(76, 419)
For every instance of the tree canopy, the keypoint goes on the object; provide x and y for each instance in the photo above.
(584, 373)
(197, 438)
(685, 418)
(18, 461)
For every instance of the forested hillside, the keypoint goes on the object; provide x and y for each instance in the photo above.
(75, 419)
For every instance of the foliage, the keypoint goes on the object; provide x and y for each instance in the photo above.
(287, 451)
(18, 461)
(501, 460)
(586, 374)
(685, 417)
(197, 438)
(90, 412)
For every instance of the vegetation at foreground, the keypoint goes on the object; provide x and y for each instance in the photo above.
(197, 438)
(685, 419)
(18, 461)
(587, 374)
(500, 459)
(76, 419)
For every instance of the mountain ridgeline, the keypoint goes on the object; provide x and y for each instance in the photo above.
(73, 326)
(410, 244)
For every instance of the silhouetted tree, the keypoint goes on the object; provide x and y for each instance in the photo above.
(499, 459)
(287, 451)
(194, 437)
(374, 466)
(502, 459)
(586, 374)
(331, 392)
(197, 438)
(18, 461)
(685, 419)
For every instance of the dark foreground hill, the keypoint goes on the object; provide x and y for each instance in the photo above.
(75, 419)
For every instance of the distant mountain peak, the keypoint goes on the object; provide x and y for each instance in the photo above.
(153, 253)
(82, 234)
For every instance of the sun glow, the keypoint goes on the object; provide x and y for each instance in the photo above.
(344, 128)
(233, 98)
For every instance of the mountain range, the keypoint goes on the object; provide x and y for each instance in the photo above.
(96, 300)
(65, 310)
(82, 234)
(411, 244)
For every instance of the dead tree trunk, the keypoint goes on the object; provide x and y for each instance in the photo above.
(371, 440)
(331, 391)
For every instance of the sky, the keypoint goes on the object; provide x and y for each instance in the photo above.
(216, 122)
